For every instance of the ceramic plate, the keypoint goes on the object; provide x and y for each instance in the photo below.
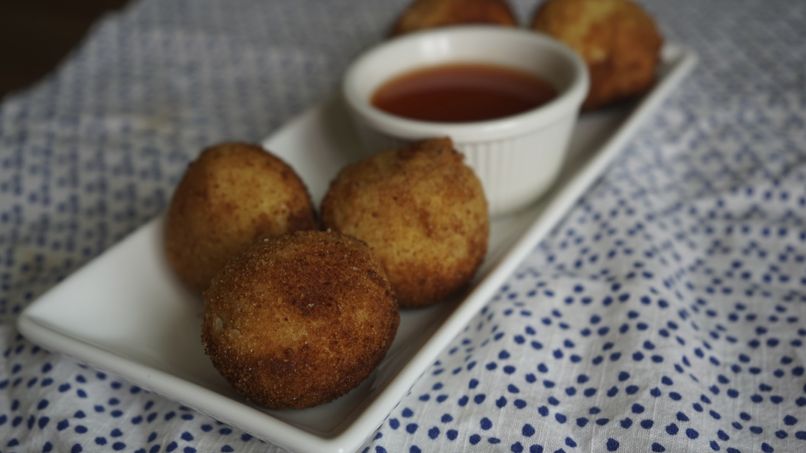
(124, 312)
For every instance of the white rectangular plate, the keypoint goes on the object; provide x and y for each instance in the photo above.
(125, 313)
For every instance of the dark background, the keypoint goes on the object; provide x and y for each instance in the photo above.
(36, 35)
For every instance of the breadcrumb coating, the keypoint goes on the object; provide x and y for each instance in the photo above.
(424, 14)
(231, 195)
(423, 213)
(298, 320)
(618, 40)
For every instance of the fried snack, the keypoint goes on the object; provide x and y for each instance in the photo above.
(300, 319)
(617, 39)
(423, 213)
(422, 14)
(232, 194)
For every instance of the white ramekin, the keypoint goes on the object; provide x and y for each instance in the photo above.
(517, 157)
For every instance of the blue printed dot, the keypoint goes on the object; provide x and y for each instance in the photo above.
(790, 420)
(486, 423)
(626, 423)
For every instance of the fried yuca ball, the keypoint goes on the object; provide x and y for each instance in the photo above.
(232, 194)
(423, 213)
(422, 14)
(300, 319)
(617, 39)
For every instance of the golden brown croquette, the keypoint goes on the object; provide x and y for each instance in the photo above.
(423, 213)
(300, 319)
(423, 14)
(617, 39)
(232, 194)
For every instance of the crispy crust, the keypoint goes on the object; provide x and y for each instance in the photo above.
(423, 14)
(617, 39)
(231, 195)
(299, 320)
(423, 213)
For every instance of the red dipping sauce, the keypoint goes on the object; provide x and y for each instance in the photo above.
(462, 92)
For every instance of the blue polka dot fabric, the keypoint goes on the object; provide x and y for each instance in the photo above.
(666, 313)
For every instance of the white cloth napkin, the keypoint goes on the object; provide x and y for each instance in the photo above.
(666, 313)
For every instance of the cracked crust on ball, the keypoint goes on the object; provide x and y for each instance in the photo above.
(421, 210)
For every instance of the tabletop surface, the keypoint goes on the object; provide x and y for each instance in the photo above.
(667, 312)
(35, 35)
